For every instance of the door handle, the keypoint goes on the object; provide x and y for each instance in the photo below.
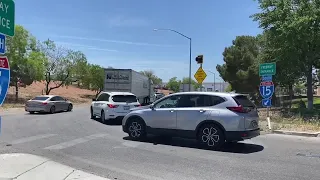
(201, 110)
(171, 110)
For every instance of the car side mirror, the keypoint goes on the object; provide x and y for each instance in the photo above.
(66, 99)
(93, 99)
(151, 106)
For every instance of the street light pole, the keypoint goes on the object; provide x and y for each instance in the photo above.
(214, 80)
(190, 56)
(190, 53)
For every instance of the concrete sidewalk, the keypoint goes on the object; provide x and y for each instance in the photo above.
(30, 167)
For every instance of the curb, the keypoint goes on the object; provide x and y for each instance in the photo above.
(295, 133)
(28, 166)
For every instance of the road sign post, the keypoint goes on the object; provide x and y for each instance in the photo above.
(7, 19)
(4, 78)
(266, 71)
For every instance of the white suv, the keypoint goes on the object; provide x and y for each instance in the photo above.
(113, 105)
(210, 117)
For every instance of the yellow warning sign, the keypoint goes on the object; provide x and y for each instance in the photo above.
(200, 75)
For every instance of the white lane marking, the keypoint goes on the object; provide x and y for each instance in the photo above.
(75, 142)
(32, 138)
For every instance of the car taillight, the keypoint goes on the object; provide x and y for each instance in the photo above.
(238, 109)
(137, 105)
(112, 106)
(44, 103)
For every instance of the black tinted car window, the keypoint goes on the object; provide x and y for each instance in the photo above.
(40, 98)
(243, 101)
(53, 99)
(199, 101)
(103, 97)
(187, 101)
(124, 98)
(169, 102)
(59, 98)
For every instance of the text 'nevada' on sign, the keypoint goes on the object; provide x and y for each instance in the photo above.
(7, 13)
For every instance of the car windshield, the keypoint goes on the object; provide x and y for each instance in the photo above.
(243, 101)
(124, 98)
(40, 98)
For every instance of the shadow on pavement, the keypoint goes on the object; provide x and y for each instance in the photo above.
(46, 113)
(241, 148)
(115, 122)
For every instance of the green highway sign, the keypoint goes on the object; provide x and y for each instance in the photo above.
(267, 69)
(7, 9)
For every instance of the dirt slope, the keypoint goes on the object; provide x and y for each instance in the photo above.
(73, 93)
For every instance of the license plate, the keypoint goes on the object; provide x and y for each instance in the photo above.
(126, 107)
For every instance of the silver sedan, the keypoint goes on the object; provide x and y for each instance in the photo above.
(48, 103)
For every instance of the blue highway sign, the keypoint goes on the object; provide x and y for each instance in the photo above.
(2, 44)
(266, 102)
(266, 89)
(266, 78)
(4, 78)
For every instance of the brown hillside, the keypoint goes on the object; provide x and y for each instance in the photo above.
(74, 94)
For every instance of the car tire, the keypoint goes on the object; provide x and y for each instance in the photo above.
(52, 109)
(70, 107)
(103, 117)
(211, 136)
(136, 129)
(91, 114)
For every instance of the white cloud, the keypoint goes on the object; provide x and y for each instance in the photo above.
(84, 46)
(126, 21)
(164, 69)
(112, 41)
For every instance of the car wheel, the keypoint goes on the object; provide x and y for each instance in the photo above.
(52, 109)
(136, 129)
(70, 107)
(211, 136)
(91, 113)
(103, 117)
(31, 112)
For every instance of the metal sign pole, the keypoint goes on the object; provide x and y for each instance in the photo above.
(268, 118)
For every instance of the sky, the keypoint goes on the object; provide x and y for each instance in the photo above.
(120, 33)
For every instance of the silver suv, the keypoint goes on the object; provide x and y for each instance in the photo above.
(212, 118)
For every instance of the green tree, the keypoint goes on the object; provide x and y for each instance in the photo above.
(241, 65)
(96, 78)
(22, 68)
(174, 84)
(150, 74)
(79, 68)
(57, 66)
(293, 30)
(229, 88)
(195, 85)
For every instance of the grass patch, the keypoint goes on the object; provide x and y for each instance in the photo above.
(299, 108)
(11, 105)
(293, 124)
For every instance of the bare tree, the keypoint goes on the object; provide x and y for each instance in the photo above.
(58, 65)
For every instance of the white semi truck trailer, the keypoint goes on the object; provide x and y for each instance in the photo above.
(128, 80)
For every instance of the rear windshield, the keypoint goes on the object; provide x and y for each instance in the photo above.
(243, 101)
(40, 98)
(124, 98)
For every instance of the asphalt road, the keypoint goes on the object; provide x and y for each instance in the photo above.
(73, 139)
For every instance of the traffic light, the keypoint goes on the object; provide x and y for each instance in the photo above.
(199, 59)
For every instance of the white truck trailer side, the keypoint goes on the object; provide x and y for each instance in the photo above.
(128, 80)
